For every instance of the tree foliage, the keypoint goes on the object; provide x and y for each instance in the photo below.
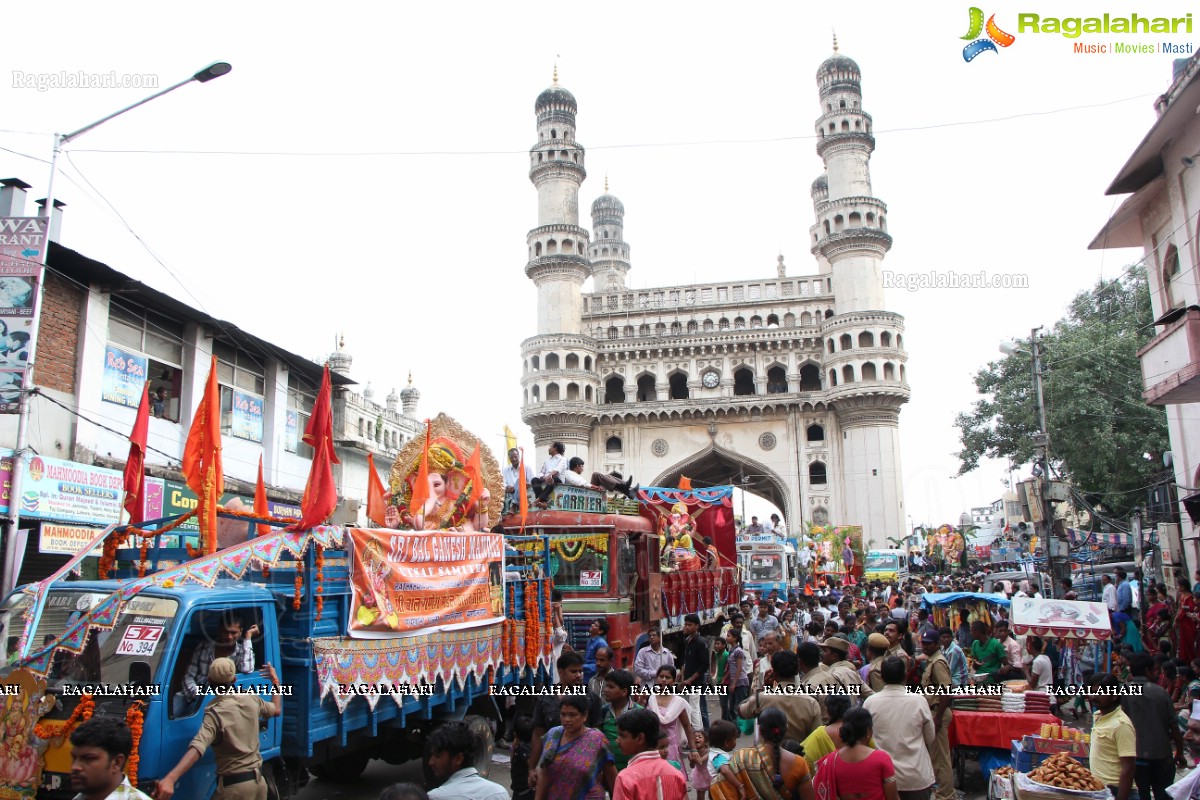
(1100, 428)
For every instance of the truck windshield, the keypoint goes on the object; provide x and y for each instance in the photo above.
(766, 567)
(140, 635)
(882, 562)
(579, 562)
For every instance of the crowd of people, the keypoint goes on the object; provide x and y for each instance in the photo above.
(630, 734)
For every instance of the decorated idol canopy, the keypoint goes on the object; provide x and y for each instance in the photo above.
(711, 511)
(935, 599)
(1063, 619)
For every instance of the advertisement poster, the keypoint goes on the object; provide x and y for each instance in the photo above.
(65, 491)
(66, 539)
(247, 416)
(408, 582)
(22, 240)
(124, 377)
(291, 434)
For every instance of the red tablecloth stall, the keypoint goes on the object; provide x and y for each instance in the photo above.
(995, 729)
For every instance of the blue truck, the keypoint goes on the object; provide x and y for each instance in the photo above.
(149, 647)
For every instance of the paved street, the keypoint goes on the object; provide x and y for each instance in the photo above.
(380, 775)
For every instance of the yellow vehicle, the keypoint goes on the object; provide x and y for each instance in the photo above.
(886, 565)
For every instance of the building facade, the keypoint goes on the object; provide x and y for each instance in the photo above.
(102, 336)
(788, 386)
(1162, 177)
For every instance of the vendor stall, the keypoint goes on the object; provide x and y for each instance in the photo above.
(1074, 623)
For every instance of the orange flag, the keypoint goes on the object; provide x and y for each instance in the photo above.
(261, 508)
(685, 483)
(376, 506)
(420, 489)
(135, 465)
(523, 490)
(202, 460)
(474, 470)
(320, 493)
(321, 421)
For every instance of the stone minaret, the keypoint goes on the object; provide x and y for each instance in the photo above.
(559, 380)
(864, 359)
(610, 253)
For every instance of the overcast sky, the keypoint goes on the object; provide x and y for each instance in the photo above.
(368, 171)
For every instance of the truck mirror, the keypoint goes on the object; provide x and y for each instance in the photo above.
(140, 673)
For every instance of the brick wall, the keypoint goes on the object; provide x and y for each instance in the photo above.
(58, 334)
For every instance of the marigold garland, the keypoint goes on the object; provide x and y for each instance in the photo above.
(510, 630)
(83, 712)
(135, 718)
(299, 588)
(532, 624)
(142, 556)
(319, 580)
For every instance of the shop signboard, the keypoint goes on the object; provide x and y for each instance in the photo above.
(22, 244)
(66, 539)
(64, 491)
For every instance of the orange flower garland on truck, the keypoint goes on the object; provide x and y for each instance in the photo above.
(82, 713)
(135, 718)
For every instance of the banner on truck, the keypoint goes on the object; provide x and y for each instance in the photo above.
(408, 582)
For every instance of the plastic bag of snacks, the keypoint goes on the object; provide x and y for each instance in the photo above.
(1000, 787)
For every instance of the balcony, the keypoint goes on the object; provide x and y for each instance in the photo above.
(1171, 362)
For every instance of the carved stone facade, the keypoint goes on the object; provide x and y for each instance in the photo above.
(788, 386)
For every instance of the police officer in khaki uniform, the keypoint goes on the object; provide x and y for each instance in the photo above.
(937, 673)
(230, 727)
(877, 648)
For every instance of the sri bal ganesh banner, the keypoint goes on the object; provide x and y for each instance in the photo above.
(409, 582)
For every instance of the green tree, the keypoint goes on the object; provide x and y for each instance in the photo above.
(1100, 428)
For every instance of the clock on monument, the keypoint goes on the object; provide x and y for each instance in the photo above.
(711, 379)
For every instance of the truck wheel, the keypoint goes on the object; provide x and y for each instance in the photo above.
(343, 769)
(481, 729)
(269, 778)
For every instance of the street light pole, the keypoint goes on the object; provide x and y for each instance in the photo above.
(1043, 445)
(8, 574)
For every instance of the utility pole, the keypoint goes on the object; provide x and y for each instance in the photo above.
(1042, 442)
(1135, 528)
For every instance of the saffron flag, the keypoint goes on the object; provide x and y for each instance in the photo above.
(261, 509)
(321, 421)
(320, 493)
(510, 440)
(376, 505)
(474, 470)
(420, 487)
(523, 490)
(202, 460)
(685, 483)
(135, 465)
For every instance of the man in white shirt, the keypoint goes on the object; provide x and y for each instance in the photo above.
(600, 482)
(452, 749)
(551, 472)
(1109, 593)
(512, 478)
(777, 527)
(903, 728)
(1040, 674)
(651, 658)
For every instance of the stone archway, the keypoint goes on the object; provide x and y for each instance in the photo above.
(716, 466)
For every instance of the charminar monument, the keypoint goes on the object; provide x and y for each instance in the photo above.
(789, 386)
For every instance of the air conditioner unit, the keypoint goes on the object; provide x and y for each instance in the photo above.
(346, 512)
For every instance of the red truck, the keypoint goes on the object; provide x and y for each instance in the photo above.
(605, 558)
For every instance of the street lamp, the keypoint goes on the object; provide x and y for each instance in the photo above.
(8, 575)
(1041, 441)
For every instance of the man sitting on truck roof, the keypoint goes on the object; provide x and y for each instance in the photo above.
(550, 473)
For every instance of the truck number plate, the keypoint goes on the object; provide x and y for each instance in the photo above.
(140, 640)
(590, 577)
